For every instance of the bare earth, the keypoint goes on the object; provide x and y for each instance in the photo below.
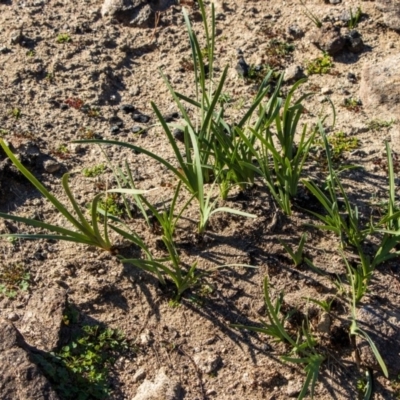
(106, 65)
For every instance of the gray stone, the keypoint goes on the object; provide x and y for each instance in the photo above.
(42, 321)
(208, 362)
(324, 323)
(383, 326)
(292, 73)
(130, 12)
(16, 36)
(139, 375)
(391, 13)
(380, 88)
(162, 388)
(328, 38)
(20, 378)
(51, 166)
(354, 42)
(12, 316)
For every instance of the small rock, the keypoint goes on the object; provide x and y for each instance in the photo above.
(326, 90)
(127, 108)
(335, 1)
(145, 339)
(51, 166)
(328, 38)
(170, 117)
(136, 129)
(354, 42)
(179, 135)
(12, 316)
(162, 388)
(141, 118)
(207, 362)
(294, 72)
(324, 323)
(139, 375)
(4, 50)
(351, 77)
(16, 36)
(115, 129)
(134, 90)
(116, 121)
(112, 7)
(295, 31)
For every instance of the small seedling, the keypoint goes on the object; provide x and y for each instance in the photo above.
(379, 124)
(341, 143)
(352, 104)
(63, 38)
(110, 205)
(16, 113)
(94, 171)
(354, 18)
(312, 17)
(3, 132)
(13, 278)
(224, 98)
(30, 53)
(321, 65)
(297, 256)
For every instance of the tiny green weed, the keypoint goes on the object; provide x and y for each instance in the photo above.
(13, 278)
(111, 205)
(311, 16)
(354, 18)
(224, 98)
(30, 53)
(94, 171)
(80, 369)
(341, 143)
(4, 132)
(321, 65)
(352, 104)
(63, 38)
(16, 113)
(379, 124)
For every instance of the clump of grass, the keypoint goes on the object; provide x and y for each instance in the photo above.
(63, 38)
(94, 171)
(354, 18)
(321, 65)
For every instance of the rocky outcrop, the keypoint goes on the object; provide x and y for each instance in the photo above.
(380, 87)
(20, 378)
(41, 323)
(391, 13)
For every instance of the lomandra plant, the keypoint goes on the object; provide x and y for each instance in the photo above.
(86, 231)
(280, 159)
(304, 345)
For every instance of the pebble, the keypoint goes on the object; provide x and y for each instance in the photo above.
(179, 135)
(4, 50)
(136, 129)
(51, 166)
(127, 108)
(326, 90)
(139, 375)
(12, 316)
(115, 129)
(141, 118)
(16, 36)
